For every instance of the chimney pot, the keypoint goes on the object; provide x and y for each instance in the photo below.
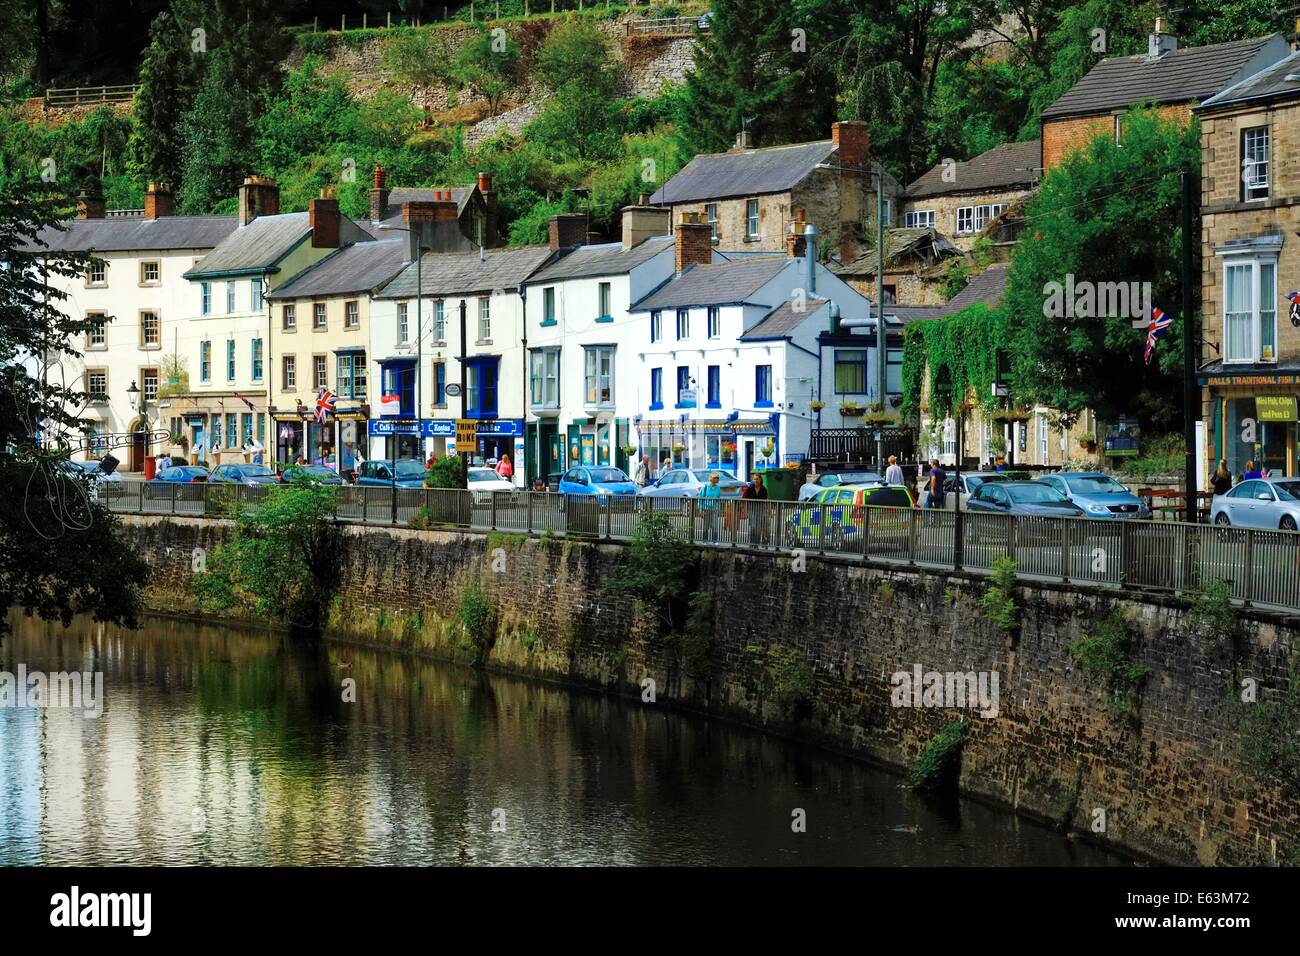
(158, 201)
(743, 140)
(379, 195)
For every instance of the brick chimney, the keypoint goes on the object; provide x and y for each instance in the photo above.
(323, 213)
(794, 240)
(91, 204)
(852, 141)
(258, 196)
(643, 221)
(490, 223)
(434, 223)
(379, 195)
(568, 229)
(694, 242)
(158, 201)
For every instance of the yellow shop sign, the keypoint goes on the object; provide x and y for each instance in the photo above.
(1275, 408)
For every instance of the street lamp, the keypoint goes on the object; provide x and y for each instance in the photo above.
(881, 365)
(133, 394)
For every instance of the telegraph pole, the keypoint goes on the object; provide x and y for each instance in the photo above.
(882, 365)
(1190, 410)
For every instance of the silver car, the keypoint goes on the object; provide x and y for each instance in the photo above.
(1260, 503)
(687, 482)
(830, 479)
(1100, 496)
(968, 482)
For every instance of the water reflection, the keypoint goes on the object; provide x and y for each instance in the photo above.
(234, 747)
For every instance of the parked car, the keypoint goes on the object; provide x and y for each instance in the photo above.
(1099, 495)
(484, 482)
(843, 509)
(829, 479)
(687, 482)
(600, 480)
(242, 475)
(90, 469)
(181, 474)
(1025, 498)
(965, 484)
(1260, 503)
(410, 473)
(317, 473)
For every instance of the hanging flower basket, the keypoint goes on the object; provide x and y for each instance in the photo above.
(851, 411)
(768, 449)
(816, 406)
(878, 418)
(678, 449)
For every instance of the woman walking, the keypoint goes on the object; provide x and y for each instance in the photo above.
(1221, 480)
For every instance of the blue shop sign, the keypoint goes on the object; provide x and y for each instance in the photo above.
(426, 428)
(502, 426)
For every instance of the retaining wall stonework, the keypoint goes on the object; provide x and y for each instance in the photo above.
(1172, 786)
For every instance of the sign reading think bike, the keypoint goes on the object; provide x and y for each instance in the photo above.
(466, 435)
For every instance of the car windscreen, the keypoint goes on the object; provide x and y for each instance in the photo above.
(608, 474)
(1034, 495)
(410, 469)
(1095, 485)
(704, 474)
(859, 478)
(1287, 490)
(482, 474)
(255, 471)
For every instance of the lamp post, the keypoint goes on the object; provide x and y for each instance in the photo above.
(140, 404)
(881, 363)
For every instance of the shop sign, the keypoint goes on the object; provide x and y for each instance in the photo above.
(426, 428)
(1275, 408)
(466, 436)
(502, 426)
(1224, 381)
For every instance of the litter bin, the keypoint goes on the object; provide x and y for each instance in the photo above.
(782, 484)
(150, 468)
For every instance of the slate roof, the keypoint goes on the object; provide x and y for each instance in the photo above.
(462, 273)
(260, 244)
(605, 259)
(1186, 75)
(723, 283)
(907, 314)
(1009, 166)
(359, 267)
(749, 172)
(987, 287)
(1269, 83)
(127, 234)
(899, 241)
(783, 320)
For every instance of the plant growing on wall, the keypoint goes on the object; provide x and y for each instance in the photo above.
(658, 568)
(1270, 734)
(937, 766)
(1107, 654)
(477, 621)
(1211, 610)
(998, 603)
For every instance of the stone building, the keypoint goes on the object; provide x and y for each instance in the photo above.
(1250, 260)
(916, 264)
(1173, 79)
(476, 215)
(750, 197)
(962, 200)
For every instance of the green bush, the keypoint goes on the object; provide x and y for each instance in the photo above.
(998, 603)
(1211, 609)
(446, 473)
(937, 765)
(1106, 654)
(477, 621)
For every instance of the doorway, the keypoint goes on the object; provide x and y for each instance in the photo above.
(749, 460)
(139, 446)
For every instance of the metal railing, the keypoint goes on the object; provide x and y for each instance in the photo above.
(1262, 567)
(81, 95)
(668, 26)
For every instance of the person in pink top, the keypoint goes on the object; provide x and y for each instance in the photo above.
(504, 468)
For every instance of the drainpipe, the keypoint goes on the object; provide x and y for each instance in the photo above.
(810, 259)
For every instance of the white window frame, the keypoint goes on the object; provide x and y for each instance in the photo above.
(144, 272)
(919, 219)
(1254, 350)
(440, 321)
(320, 317)
(968, 214)
(255, 294)
(289, 317)
(1042, 438)
(544, 378)
(97, 334)
(485, 318)
(751, 219)
(351, 314)
(403, 323)
(1256, 187)
(593, 377)
(711, 214)
(145, 342)
(230, 297)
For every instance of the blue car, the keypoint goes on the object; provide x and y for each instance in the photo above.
(410, 473)
(599, 480)
(242, 475)
(181, 474)
(1100, 496)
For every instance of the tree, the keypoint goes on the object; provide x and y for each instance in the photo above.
(217, 130)
(61, 551)
(1110, 214)
(486, 66)
(168, 81)
(756, 64)
(659, 568)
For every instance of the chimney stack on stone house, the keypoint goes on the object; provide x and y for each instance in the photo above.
(643, 221)
(379, 195)
(90, 203)
(852, 141)
(434, 224)
(743, 141)
(1159, 42)
(694, 244)
(794, 239)
(490, 222)
(258, 196)
(567, 230)
(158, 201)
(323, 213)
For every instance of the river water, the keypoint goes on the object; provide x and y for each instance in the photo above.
(225, 746)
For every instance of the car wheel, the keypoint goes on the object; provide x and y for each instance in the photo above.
(1221, 519)
(1288, 523)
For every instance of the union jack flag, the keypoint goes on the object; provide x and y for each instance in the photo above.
(324, 404)
(1157, 327)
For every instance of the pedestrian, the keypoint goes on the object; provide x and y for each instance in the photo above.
(300, 460)
(356, 467)
(938, 477)
(666, 467)
(642, 476)
(1221, 480)
(893, 474)
(1253, 470)
(710, 500)
(259, 452)
(504, 468)
(754, 491)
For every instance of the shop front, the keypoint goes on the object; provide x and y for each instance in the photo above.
(598, 441)
(219, 429)
(500, 436)
(406, 437)
(737, 446)
(1255, 417)
(546, 449)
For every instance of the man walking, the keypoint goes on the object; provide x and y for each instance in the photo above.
(938, 477)
(642, 476)
(893, 474)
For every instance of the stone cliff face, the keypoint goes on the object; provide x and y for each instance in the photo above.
(811, 654)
